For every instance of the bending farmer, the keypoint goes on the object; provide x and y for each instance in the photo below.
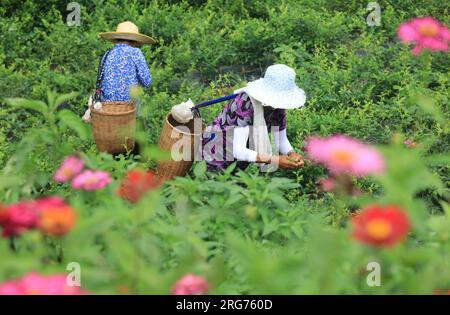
(241, 132)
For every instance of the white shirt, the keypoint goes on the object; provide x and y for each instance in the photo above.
(242, 153)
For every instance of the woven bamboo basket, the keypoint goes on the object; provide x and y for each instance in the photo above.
(114, 126)
(172, 134)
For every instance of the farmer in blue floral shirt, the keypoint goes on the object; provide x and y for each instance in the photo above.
(125, 65)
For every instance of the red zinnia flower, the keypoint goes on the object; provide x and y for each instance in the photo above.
(381, 226)
(137, 183)
(18, 218)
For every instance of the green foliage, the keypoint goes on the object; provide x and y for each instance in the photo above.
(246, 232)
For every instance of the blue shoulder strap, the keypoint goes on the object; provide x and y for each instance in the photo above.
(196, 111)
(217, 100)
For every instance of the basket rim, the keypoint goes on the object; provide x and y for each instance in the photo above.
(182, 132)
(100, 112)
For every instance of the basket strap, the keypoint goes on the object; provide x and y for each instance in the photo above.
(100, 75)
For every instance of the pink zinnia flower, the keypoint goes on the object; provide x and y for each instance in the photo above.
(37, 284)
(326, 184)
(91, 180)
(70, 167)
(10, 288)
(191, 284)
(426, 33)
(345, 155)
(50, 202)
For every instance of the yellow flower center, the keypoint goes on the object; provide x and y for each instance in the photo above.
(378, 229)
(429, 30)
(343, 157)
(68, 172)
(91, 180)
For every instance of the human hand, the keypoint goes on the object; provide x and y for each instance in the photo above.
(284, 161)
(287, 162)
(295, 157)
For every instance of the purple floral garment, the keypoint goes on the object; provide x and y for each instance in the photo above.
(237, 113)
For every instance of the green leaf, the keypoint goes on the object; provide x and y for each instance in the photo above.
(35, 105)
(234, 198)
(200, 169)
(438, 159)
(230, 168)
(270, 227)
(75, 123)
(63, 98)
(279, 201)
(156, 154)
(429, 106)
(51, 97)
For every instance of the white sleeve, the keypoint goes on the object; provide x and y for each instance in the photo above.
(282, 143)
(240, 150)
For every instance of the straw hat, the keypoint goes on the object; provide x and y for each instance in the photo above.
(128, 31)
(277, 88)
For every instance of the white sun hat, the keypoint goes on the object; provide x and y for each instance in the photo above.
(277, 88)
(127, 30)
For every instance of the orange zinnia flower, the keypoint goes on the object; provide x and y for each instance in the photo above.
(381, 226)
(136, 184)
(56, 218)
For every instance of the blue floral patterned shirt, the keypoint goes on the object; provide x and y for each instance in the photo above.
(124, 66)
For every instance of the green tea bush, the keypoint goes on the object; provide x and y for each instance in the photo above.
(246, 232)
